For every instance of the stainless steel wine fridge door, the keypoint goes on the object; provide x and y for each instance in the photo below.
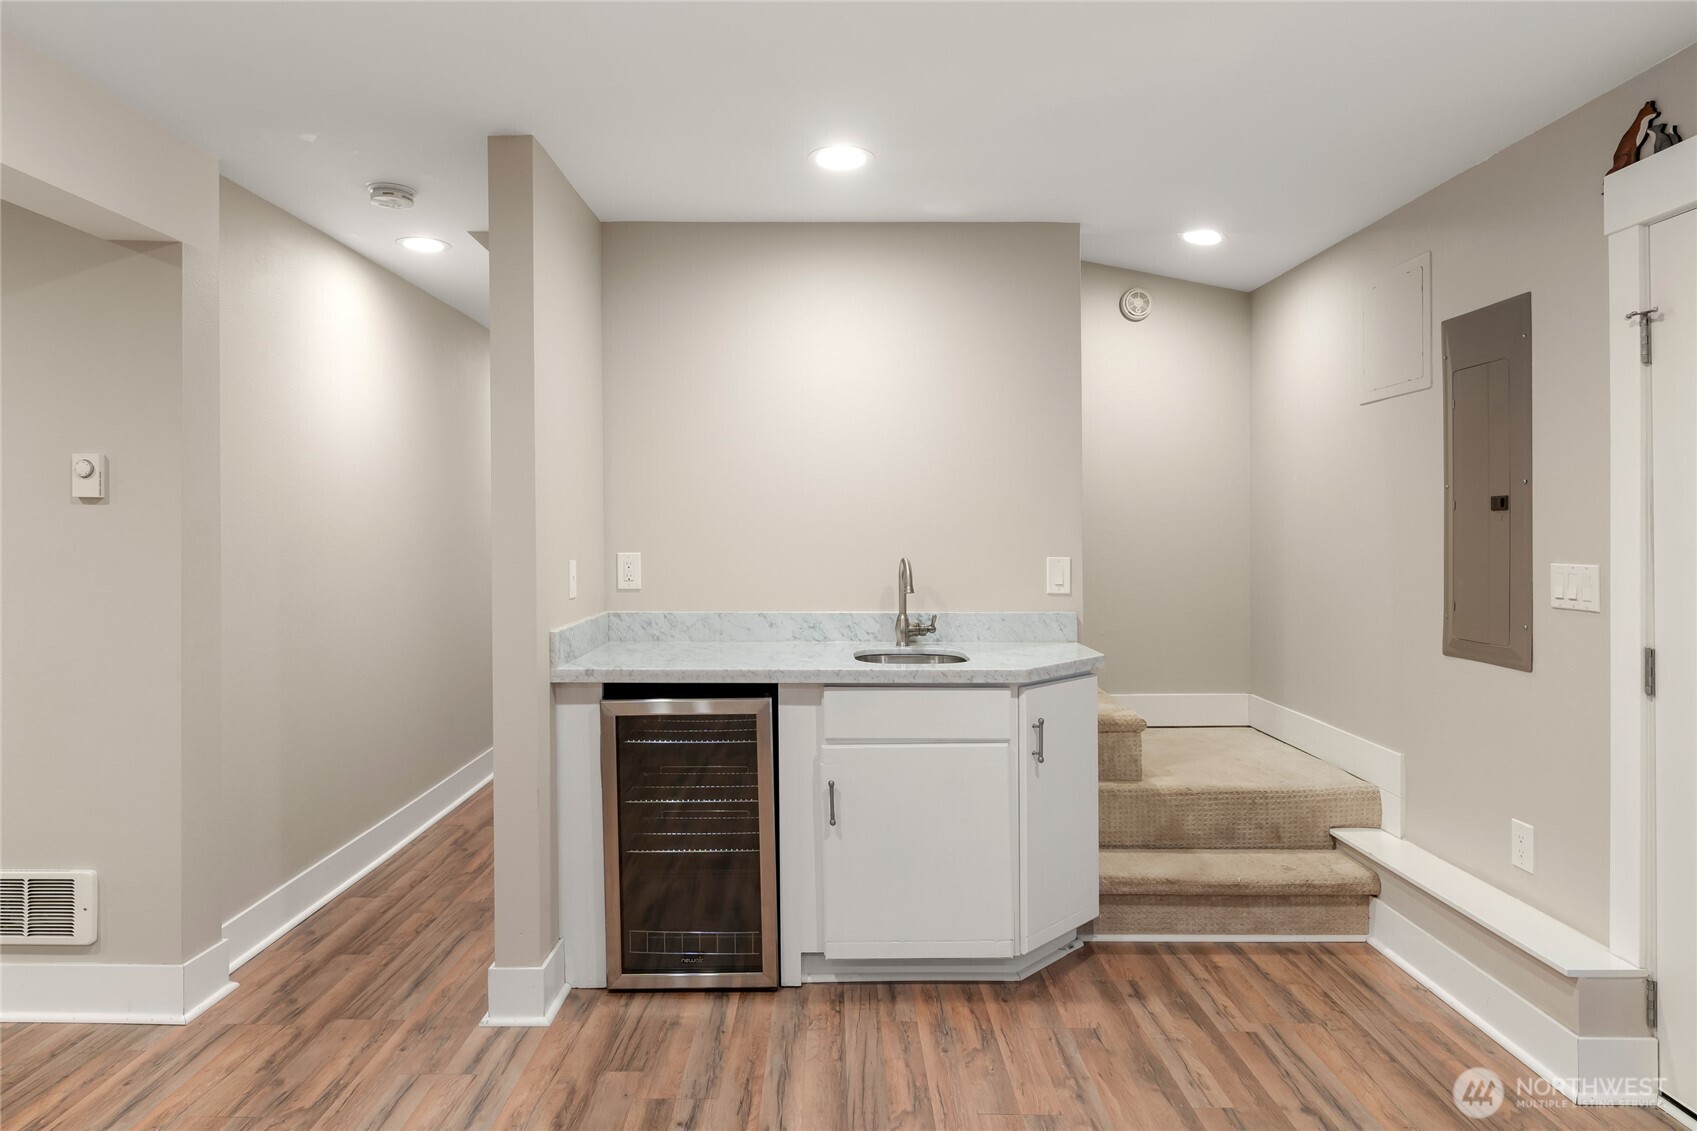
(691, 845)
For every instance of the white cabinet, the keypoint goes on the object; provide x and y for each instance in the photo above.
(918, 851)
(938, 834)
(1058, 810)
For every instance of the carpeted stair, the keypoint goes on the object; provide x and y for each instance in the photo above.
(1225, 831)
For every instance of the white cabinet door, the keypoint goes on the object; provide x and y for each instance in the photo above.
(1058, 877)
(918, 851)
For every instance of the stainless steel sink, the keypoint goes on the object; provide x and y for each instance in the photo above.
(908, 656)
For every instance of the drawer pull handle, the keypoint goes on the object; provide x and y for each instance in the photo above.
(1038, 753)
(831, 794)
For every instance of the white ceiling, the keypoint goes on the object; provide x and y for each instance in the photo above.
(1287, 126)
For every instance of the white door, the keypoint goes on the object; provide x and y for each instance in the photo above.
(1059, 865)
(1673, 411)
(918, 852)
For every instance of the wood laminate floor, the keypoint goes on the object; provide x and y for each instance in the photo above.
(367, 1016)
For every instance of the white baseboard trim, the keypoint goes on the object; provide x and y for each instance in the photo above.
(1226, 938)
(1200, 709)
(253, 929)
(1676, 1113)
(528, 995)
(110, 993)
(818, 968)
(1372, 763)
(1600, 1071)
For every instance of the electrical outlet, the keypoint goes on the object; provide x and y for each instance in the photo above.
(630, 571)
(571, 580)
(1520, 845)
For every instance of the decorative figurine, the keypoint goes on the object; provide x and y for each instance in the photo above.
(1627, 151)
(1665, 136)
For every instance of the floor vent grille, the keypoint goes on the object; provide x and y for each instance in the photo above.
(48, 908)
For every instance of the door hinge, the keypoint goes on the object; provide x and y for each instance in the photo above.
(1643, 317)
(1650, 1003)
(1649, 673)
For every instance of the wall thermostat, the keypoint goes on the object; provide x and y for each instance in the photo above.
(1134, 304)
(88, 475)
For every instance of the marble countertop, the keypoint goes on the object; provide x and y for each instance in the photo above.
(813, 661)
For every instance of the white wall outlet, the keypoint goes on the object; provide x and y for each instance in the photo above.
(571, 580)
(630, 571)
(88, 475)
(1576, 587)
(1520, 845)
(1058, 576)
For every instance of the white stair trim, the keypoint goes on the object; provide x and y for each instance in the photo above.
(1563, 949)
(528, 995)
(1372, 763)
(272, 916)
(1601, 1071)
(1198, 709)
(112, 993)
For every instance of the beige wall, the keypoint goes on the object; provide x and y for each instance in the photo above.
(355, 543)
(145, 601)
(73, 152)
(545, 397)
(792, 408)
(1166, 484)
(1348, 518)
(92, 640)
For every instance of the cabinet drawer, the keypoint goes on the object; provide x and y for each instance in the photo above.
(917, 714)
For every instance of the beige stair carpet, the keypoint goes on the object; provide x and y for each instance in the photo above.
(1234, 872)
(1234, 891)
(1119, 740)
(1231, 787)
(1229, 833)
(1295, 915)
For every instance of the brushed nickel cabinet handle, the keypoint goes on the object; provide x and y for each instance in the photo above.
(1038, 753)
(831, 787)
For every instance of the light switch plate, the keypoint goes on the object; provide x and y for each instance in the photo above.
(1058, 577)
(1577, 587)
(88, 475)
(571, 579)
(1520, 844)
(630, 571)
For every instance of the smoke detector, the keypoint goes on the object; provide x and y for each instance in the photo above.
(386, 195)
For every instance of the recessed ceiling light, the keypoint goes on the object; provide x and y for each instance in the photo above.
(840, 158)
(428, 244)
(1203, 237)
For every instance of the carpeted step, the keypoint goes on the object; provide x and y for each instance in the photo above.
(1212, 787)
(1119, 740)
(1233, 892)
(1234, 872)
(1296, 915)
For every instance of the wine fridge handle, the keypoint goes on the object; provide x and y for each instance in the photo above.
(831, 795)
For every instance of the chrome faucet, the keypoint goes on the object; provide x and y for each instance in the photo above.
(907, 629)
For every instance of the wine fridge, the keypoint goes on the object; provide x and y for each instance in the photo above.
(691, 841)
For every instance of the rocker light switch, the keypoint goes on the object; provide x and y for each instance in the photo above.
(88, 475)
(1575, 587)
(1059, 581)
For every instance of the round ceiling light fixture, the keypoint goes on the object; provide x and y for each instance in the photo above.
(1202, 237)
(386, 194)
(430, 245)
(840, 158)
